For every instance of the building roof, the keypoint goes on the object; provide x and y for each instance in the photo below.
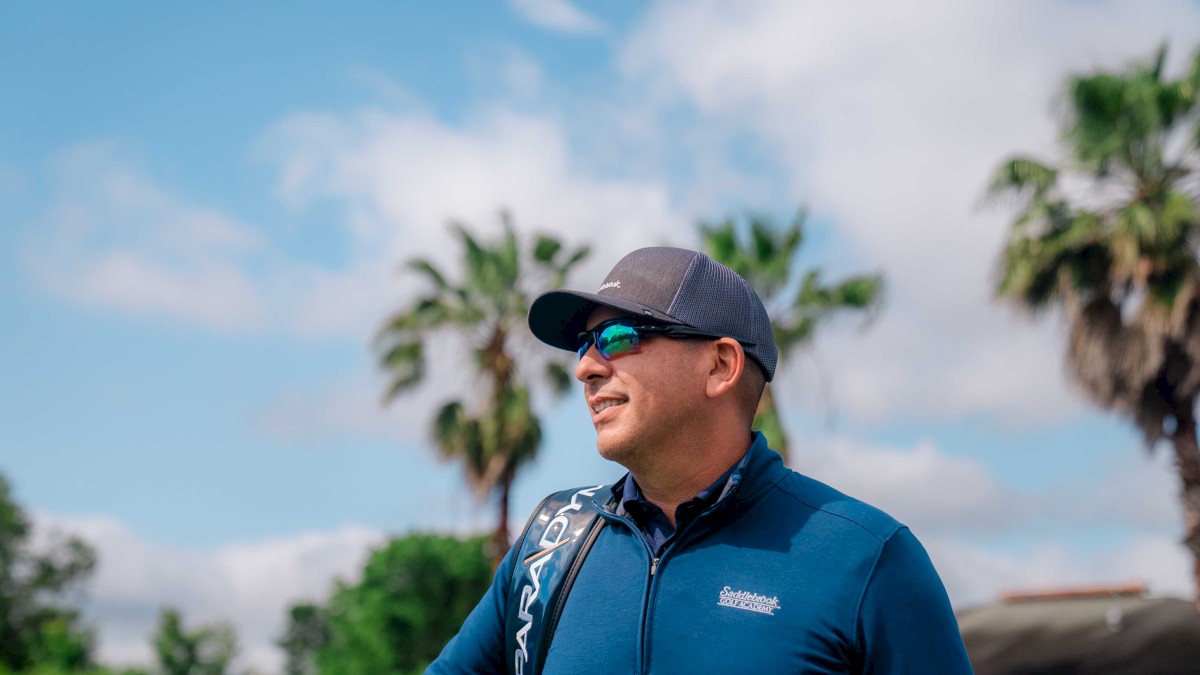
(1092, 631)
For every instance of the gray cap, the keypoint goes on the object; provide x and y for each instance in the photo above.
(670, 286)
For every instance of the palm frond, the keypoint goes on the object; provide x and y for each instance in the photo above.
(762, 242)
(1180, 214)
(861, 292)
(405, 363)
(556, 374)
(545, 248)
(426, 268)
(756, 248)
(561, 272)
(1155, 71)
(1024, 177)
(719, 241)
(1191, 80)
(1098, 133)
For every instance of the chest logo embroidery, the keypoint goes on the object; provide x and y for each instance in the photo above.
(751, 602)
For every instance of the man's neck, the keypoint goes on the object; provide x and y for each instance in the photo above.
(667, 485)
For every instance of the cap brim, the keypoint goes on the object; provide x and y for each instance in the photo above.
(558, 317)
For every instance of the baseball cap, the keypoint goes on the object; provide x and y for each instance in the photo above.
(670, 286)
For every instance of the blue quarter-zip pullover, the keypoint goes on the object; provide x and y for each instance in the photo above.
(782, 574)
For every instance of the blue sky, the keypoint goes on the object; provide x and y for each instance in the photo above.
(203, 207)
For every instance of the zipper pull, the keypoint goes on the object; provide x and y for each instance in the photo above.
(653, 566)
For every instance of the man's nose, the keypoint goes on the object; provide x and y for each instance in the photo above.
(591, 365)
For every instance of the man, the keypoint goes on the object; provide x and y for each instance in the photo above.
(713, 556)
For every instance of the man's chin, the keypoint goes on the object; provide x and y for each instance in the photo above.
(613, 448)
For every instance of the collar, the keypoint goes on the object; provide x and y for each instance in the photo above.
(759, 469)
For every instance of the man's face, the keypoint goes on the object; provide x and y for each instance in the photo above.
(639, 402)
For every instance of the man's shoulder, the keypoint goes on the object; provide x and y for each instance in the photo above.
(838, 508)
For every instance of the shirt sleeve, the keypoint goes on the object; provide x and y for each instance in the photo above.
(478, 649)
(905, 624)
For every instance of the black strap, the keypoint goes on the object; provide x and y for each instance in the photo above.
(549, 554)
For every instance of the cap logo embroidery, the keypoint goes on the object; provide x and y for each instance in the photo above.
(611, 284)
(751, 602)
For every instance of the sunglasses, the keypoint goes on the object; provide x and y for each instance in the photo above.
(618, 337)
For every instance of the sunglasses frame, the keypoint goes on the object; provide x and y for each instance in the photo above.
(590, 338)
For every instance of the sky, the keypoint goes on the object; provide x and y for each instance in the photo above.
(204, 209)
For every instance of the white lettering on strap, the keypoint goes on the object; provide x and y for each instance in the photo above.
(551, 539)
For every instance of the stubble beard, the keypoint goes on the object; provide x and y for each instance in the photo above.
(623, 450)
(647, 446)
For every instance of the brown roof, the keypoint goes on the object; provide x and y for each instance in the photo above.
(1065, 633)
(1134, 589)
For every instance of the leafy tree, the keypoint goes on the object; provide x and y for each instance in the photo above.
(497, 432)
(307, 632)
(414, 595)
(764, 254)
(37, 628)
(206, 650)
(59, 643)
(43, 669)
(1108, 234)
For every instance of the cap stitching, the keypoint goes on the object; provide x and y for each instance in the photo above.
(687, 275)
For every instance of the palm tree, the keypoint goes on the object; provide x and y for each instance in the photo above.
(763, 253)
(495, 432)
(1109, 236)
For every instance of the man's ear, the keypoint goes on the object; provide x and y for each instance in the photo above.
(728, 362)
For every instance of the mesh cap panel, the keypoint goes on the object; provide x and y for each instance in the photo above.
(713, 297)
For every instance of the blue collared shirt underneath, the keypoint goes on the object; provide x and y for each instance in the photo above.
(653, 523)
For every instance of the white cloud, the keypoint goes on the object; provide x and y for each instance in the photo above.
(925, 488)
(947, 491)
(889, 118)
(521, 74)
(356, 405)
(986, 537)
(114, 238)
(385, 88)
(248, 584)
(558, 15)
(400, 177)
(397, 178)
(1135, 491)
(974, 575)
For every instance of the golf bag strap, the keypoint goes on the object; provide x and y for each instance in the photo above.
(549, 554)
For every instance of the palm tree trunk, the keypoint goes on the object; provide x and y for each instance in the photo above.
(500, 541)
(1187, 462)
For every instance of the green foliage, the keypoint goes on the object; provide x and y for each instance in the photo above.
(59, 643)
(1111, 236)
(206, 650)
(414, 595)
(42, 669)
(37, 628)
(495, 432)
(306, 633)
(764, 254)
(1120, 216)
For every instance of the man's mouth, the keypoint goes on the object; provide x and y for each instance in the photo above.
(605, 405)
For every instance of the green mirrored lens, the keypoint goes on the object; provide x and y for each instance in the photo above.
(617, 339)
